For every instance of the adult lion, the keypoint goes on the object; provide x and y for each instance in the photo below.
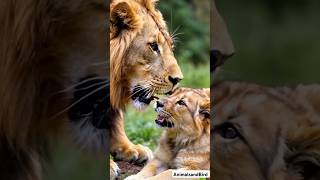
(262, 133)
(53, 66)
(142, 64)
(221, 43)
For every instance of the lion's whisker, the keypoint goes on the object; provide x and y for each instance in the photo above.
(99, 63)
(81, 82)
(168, 114)
(176, 30)
(75, 103)
(139, 90)
(149, 92)
(93, 85)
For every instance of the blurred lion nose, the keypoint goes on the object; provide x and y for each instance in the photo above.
(174, 80)
(159, 104)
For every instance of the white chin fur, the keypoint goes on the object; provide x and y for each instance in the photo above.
(88, 136)
(139, 105)
(159, 127)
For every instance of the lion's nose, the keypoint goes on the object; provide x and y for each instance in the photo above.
(174, 80)
(217, 59)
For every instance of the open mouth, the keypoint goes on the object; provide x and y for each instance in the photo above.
(142, 94)
(163, 121)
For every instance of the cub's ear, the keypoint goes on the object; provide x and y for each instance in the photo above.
(123, 19)
(207, 91)
(310, 93)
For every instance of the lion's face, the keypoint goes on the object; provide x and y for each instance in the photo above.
(148, 63)
(261, 133)
(186, 110)
(221, 43)
(245, 137)
(80, 65)
(154, 69)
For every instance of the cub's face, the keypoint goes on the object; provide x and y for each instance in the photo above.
(185, 110)
(260, 133)
(246, 138)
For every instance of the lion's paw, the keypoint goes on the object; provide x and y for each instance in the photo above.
(114, 170)
(134, 177)
(138, 154)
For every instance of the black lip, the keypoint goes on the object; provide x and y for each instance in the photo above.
(165, 123)
(141, 94)
(92, 108)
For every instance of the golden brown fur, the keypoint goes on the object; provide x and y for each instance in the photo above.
(185, 143)
(144, 24)
(142, 64)
(45, 46)
(262, 133)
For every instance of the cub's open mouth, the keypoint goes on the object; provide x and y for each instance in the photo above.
(142, 94)
(163, 121)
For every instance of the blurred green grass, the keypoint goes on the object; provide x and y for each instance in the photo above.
(140, 126)
(273, 46)
(70, 162)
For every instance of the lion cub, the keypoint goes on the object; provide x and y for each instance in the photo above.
(185, 143)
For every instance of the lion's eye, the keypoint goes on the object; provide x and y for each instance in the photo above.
(227, 131)
(154, 46)
(181, 103)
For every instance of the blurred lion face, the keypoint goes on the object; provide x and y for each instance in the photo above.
(262, 133)
(221, 43)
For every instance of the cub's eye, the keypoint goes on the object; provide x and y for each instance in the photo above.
(181, 103)
(154, 46)
(227, 131)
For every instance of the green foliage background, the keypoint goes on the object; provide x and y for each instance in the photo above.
(190, 19)
(277, 42)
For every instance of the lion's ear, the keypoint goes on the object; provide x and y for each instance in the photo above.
(123, 19)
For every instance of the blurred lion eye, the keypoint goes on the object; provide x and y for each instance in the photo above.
(227, 131)
(181, 102)
(154, 46)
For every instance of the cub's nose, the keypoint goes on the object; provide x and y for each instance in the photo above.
(159, 104)
(174, 80)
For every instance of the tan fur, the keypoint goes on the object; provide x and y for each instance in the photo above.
(279, 127)
(187, 144)
(145, 24)
(134, 25)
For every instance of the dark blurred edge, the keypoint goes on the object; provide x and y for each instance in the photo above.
(211, 83)
(108, 59)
